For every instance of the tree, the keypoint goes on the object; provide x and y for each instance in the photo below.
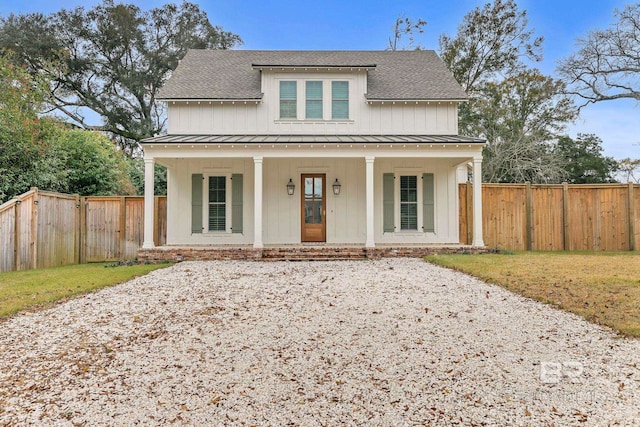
(629, 170)
(25, 158)
(490, 42)
(111, 59)
(405, 27)
(607, 65)
(521, 117)
(91, 164)
(585, 163)
(41, 151)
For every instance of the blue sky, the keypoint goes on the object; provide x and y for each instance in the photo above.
(332, 24)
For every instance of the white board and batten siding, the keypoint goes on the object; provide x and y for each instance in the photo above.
(250, 117)
(345, 213)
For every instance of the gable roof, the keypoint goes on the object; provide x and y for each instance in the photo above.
(235, 74)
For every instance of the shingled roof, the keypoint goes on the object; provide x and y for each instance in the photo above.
(235, 74)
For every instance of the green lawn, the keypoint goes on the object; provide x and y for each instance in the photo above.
(602, 287)
(22, 290)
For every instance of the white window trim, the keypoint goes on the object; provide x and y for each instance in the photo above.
(205, 202)
(301, 99)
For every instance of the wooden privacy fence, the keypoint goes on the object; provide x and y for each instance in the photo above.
(41, 229)
(577, 217)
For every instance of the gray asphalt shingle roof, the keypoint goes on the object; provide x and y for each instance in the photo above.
(230, 74)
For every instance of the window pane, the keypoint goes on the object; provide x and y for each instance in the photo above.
(217, 189)
(408, 216)
(317, 188)
(288, 96)
(314, 90)
(217, 217)
(409, 202)
(339, 100)
(308, 188)
(340, 90)
(217, 203)
(288, 90)
(314, 109)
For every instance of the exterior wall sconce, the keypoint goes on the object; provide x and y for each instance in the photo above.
(291, 187)
(336, 187)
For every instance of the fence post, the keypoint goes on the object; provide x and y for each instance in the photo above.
(565, 216)
(78, 230)
(83, 230)
(16, 234)
(123, 227)
(529, 216)
(632, 218)
(34, 229)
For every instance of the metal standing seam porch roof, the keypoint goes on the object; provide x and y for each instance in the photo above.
(313, 139)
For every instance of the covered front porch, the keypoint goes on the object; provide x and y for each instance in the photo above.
(265, 199)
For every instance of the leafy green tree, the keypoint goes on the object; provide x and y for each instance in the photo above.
(585, 163)
(25, 157)
(521, 117)
(40, 151)
(91, 163)
(111, 59)
(490, 42)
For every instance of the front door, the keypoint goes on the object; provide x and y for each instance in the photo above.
(314, 224)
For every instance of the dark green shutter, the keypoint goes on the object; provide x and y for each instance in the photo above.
(388, 199)
(428, 211)
(236, 203)
(196, 203)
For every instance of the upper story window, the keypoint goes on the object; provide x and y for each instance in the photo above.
(320, 99)
(339, 100)
(288, 99)
(313, 105)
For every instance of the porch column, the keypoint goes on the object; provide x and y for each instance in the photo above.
(257, 202)
(148, 203)
(370, 242)
(477, 202)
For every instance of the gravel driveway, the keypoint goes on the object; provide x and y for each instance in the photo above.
(391, 342)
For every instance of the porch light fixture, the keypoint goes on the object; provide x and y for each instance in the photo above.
(336, 187)
(290, 187)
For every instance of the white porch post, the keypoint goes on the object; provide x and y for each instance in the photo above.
(477, 202)
(370, 242)
(257, 202)
(148, 203)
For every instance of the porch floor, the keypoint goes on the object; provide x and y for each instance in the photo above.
(298, 252)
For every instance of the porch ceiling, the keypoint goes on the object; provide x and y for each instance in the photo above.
(313, 139)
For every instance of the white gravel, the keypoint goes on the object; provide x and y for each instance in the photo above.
(391, 342)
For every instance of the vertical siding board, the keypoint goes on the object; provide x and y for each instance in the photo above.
(8, 247)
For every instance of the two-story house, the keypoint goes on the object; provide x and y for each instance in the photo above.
(351, 148)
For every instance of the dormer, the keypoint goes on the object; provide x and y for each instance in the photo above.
(312, 92)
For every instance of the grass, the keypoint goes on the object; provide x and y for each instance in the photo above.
(34, 289)
(602, 287)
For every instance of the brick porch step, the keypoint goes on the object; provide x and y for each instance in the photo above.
(313, 254)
